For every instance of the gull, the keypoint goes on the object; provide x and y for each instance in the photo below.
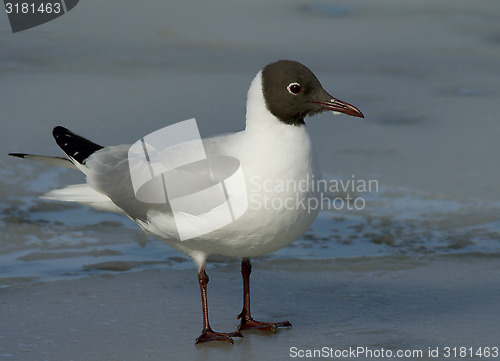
(274, 148)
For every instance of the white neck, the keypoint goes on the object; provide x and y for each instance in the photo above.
(258, 117)
(287, 145)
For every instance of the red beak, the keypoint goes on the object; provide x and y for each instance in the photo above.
(337, 105)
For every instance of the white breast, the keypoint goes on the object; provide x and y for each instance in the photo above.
(278, 165)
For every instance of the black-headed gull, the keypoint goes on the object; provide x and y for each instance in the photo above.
(274, 148)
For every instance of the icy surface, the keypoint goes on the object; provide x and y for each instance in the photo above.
(416, 268)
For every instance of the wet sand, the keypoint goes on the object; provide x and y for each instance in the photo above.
(394, 303)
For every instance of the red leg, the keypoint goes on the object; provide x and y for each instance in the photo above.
(247, 322)
(207, 334)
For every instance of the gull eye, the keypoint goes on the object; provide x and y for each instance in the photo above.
(294, 88)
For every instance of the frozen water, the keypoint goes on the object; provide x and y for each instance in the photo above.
(416, 268)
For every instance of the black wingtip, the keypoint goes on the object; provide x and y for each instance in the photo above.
(61, 131)
(57, 130)
(74, 145)
(18, 155)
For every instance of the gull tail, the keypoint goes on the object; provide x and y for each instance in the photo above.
(78, 149)
(86, 195)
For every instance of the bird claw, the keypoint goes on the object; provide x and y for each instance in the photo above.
(251, 324)
(210, 335)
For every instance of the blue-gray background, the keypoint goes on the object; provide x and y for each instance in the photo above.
(424, 73)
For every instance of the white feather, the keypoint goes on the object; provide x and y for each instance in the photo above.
(84, 194)
(268, 150)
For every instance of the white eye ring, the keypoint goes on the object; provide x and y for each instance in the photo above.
(294, 88)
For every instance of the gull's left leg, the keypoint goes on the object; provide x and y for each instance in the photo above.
(207, 334)
(247, 322)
